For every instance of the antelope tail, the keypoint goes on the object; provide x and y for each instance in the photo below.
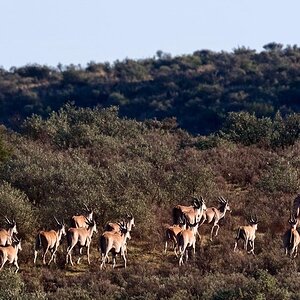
(72, 222)
(103, 245)
(69, 239)
(38, 242)
(238, 233)
(291, 240)
(176, 215)
(180, 242)
(170, 236)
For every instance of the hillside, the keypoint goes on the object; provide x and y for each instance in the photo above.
(199, 90)
(76, 156)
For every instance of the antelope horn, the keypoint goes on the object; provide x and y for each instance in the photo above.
(7, 220)
(256, 218)
(224, 199)
(56, 220)
(87, 221)
(86, 207)
(15, 239)
(251, 219)
(220, 200)
(293, 219)
(129, 216)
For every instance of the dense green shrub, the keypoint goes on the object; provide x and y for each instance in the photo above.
(15, 205)
(11, 285)
(280, 176)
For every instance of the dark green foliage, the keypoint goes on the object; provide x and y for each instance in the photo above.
(198, 89)
(248, 129)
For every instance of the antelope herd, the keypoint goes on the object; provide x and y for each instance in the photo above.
(182, 234)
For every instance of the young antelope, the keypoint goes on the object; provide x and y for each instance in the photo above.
(10, 253)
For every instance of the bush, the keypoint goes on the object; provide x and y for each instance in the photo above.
(16, 205)
(11, 285)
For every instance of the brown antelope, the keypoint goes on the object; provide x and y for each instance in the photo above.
(115, 242)
(80, 220)
(10, 253)
(49, 241)
(116, 226)
(214, 215)
(6, 235)
(291, 238)
(171, 235)
(81, 237)
(191, 213)
(247, 234)
(187, 239)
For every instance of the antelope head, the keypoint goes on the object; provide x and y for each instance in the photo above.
(199, 203)
(224, 203)
(12, 224)
(253, 221)
(130, 221)
(16, 242)
(61, 226)
(293, 221)
(91, 224)
(89, 212)
(124, 230)
(183, 222)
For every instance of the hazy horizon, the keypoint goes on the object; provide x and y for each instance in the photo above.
(77, 32)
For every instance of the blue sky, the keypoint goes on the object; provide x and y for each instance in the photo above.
(79, 31)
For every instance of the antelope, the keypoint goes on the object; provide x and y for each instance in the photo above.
(115, 227)
(6, 235)
(10, 253)
(247, 234)
(115, 242)
(291, 238)
(171, 235)
(81, 237)
(215, 215)
(187, 239)
(49, 240)
(80, 220)
(191, 213)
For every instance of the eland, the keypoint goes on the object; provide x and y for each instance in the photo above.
(10, 253)
(247, 234)
(214, 215)
(115, 242)
(291, 238)
(191, 213)
(81, 237)
(49, 241)
(171, 233)
(79, 221)
(186, 239)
